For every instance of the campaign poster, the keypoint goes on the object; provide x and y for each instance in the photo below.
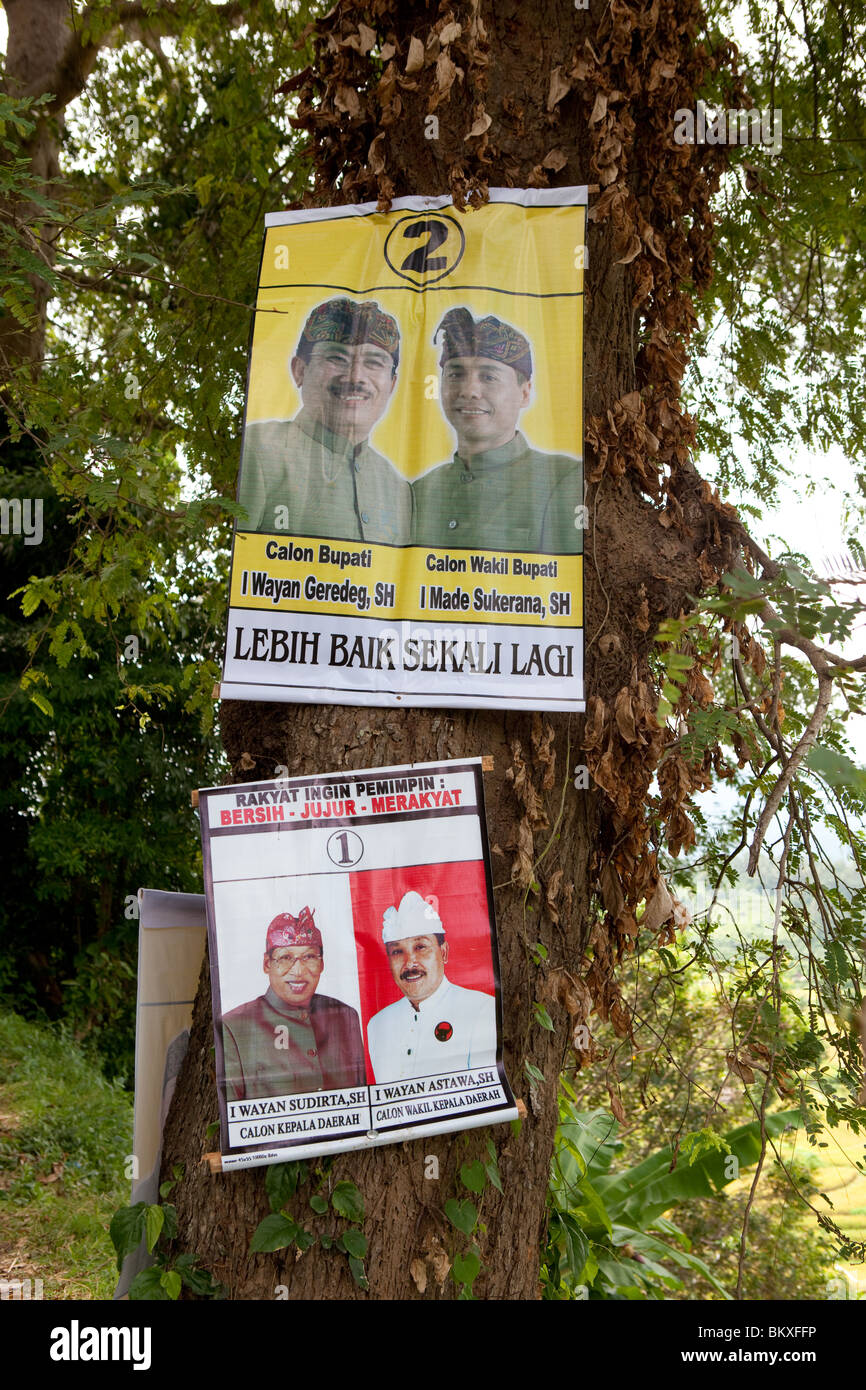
(411, 472)
(353, 961)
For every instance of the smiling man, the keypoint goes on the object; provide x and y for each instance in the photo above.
(316, 475)
(437, 1026)
(292, 1040)
(496, 493)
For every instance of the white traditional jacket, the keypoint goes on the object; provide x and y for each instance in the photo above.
(453, 1030)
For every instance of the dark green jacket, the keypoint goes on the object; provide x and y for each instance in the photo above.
(324, 1051)
(510, 498)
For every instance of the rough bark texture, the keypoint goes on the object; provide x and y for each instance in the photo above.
(44, 56)
(644, 557)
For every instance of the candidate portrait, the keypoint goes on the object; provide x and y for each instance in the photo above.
(317, 474)
(496, 492)
(436, 1026)
(292, 1039)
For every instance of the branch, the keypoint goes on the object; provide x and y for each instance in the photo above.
(70, 77)
(810, 734)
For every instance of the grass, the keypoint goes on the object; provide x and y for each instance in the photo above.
(65, 1134)
(833, 1171)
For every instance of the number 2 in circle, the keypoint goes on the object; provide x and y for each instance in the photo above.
(420, 259)
(439, 249)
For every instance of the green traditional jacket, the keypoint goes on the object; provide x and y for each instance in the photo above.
(328, 486)
(270, 1049)
(510, 498)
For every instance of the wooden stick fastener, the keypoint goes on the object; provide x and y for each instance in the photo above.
(487, 762)
(214, 1162)
(193, 796)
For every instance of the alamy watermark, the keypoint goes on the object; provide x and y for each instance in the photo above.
(22, 517)
(734, 127)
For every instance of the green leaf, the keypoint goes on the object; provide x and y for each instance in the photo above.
(463, 1215)
(474, 1176)
(355, 1243)
(358, 1274)
(274, 1233)
(127, 1229)
(147, 1286)
(319, 1203)
(837, 770)
(198, 1281)
(465, 1268)
(492, 1171)
(153, 1224)
(347, 1201)
(543, 1017)
(171, 1282)
(281, 1182)
(165, 1188)
(533, 1073)
(169, 1212)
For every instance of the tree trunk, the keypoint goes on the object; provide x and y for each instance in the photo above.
(607, 105)
(39, 46)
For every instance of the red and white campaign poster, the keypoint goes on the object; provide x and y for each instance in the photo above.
(353, 960)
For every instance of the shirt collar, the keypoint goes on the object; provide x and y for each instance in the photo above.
(435, 1001)
(493, 458)
(336, 443)
(281, 1007)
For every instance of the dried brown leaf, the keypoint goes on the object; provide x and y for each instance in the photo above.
(483, 122)
(659, 907)
(599, 110)
(624, 715)
(559, 87)
(634, 250)
(346, 99)
(449, 32)
(375, 157)
(446, 71)
(415, 60)
(555, 159)
(418, 1271)
(611, 892)
(616, 1105)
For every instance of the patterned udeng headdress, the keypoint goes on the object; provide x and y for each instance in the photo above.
(462, 336)
(287, 930)
(343, 321)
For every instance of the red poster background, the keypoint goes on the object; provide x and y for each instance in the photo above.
(461, 894)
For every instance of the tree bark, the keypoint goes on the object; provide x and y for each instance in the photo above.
(643, 560)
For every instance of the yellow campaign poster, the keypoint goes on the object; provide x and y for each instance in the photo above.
(411, 470)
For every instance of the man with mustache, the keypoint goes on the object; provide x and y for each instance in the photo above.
(292, 1040)
(497, 493)
(437, 1026)
(316, 475)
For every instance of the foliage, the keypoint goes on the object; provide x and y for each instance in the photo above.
(777, 360)
(279, 1229)
(608, 1235)
(64, 1140)
(156, 1224)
